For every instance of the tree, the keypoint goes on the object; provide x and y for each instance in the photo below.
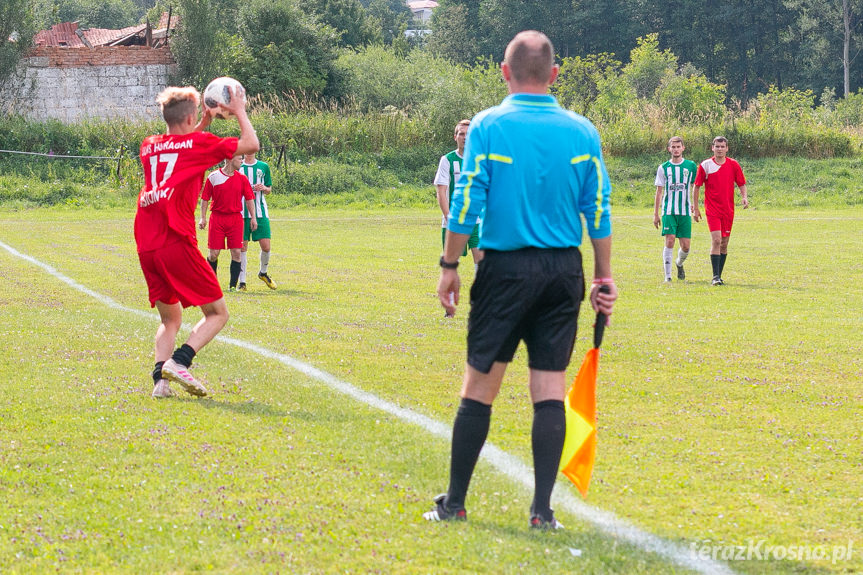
(199, 43)
(111, 14)
(392, 16)
(453, 32)
(349, 18)
(648, 65)
(283, 50)
(16, 34)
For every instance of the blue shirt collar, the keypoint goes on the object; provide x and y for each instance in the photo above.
(531, 99)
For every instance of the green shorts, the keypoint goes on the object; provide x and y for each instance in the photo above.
(679, 226)
(262, 233)
(472, 241)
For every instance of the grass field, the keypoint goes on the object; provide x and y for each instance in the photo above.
(727, 415)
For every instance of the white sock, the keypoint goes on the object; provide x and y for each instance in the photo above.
(666, 260)
(242, 267)
(681, 256)
(475, 268)
(265, 261)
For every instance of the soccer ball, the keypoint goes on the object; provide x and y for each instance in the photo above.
(218, 92)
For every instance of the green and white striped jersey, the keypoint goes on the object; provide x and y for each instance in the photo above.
(257, 173)
(677, 179)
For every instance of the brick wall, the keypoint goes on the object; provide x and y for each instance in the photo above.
(73, 84)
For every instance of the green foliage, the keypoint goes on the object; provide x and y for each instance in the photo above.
(452, 27)
(287, 50)
(17, 27)
(199, 42)
(780, 108)
(578, 84)
(111, 14)
(328, 177)
(349, 18)
(421, 85)
(392, 18)
(648, 66)
(691, 99)
(376, 77)
(849, 110)
(616, 100)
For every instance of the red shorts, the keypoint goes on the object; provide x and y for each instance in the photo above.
(225, 228)
(721, 224)
(178, 272)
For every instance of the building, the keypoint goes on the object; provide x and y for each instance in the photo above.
(422, 9)
(73, 74)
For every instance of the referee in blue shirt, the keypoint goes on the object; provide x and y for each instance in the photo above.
(536, 170)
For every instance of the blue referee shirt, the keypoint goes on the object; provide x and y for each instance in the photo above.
(534, 169)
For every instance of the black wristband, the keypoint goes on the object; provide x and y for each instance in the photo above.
(448, 266)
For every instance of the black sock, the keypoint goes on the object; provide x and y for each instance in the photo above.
(213, 264)
(549, 431)
(468, 436)
(235, 273)
(714, 261)
(157, 372)
(722, 262)
(184, 355)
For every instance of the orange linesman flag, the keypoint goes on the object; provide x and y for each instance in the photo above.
(579, 447)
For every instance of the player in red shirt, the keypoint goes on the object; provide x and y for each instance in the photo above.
(229, 189)
(177, 274)
(718, 176)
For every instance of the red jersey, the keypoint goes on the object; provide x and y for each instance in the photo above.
(227, 192)
(174, 169)
(718, 182)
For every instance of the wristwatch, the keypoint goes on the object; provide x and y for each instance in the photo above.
(447, 265)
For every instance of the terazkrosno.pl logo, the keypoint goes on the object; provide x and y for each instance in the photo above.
(760, 550)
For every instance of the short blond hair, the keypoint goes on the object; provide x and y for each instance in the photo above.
(461, 123)
(674, 139)
(178, 103)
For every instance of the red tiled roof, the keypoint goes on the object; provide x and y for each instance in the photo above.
(63, 34)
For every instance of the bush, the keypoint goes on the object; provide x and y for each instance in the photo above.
(578, 84)
(327, 177)
(691, 99)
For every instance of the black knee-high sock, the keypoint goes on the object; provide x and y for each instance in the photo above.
(213, 264)
(714, 261)
(184, 355)
(549, 431)
(157, 372)
(469, 432)
(235, 272)
(722, 262)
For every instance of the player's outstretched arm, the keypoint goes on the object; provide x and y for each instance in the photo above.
(248, 143)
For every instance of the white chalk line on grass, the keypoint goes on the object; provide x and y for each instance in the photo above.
(505, 463)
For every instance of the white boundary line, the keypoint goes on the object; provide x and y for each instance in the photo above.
(505, 463)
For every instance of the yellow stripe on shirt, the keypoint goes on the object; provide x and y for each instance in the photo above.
(596, 162)
(470, 175)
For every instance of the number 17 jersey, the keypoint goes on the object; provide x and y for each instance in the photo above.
(174, 167)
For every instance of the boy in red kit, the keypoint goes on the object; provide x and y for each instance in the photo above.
(718, 176)
(229, 189)
(176, 273)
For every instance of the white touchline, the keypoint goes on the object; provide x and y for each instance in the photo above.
(507, 464)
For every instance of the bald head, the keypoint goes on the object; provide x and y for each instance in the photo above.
(530, 58)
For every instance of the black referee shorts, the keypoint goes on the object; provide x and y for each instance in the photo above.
(531, 294)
